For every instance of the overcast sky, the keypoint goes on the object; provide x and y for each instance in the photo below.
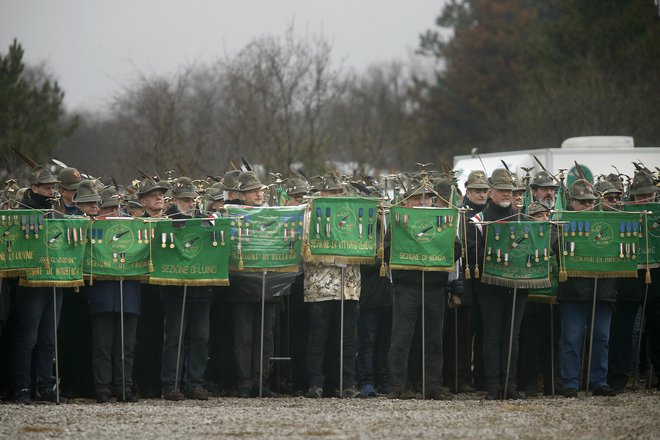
(94, 46)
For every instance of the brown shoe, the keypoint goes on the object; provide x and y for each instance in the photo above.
(173, 395)
(198, 393)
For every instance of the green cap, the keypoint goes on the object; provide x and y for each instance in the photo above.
(41, 176)
(69, 178)
(642, 184)
(477, 180)
(147, 185)
(536, 207)
(215, 192)
(248, 181)
(109, 197)
(183, 188)
(443, 188)
(86, 192)
(296, 186)
(501, 179)
(417, 188)
(331, 182)
(606, 187)
(230, 181)
(616, 181)
(543, 179)
(581, 190)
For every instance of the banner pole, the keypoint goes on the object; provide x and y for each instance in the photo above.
(57, 360)
(552, 349)
(508, 355)
(423, 339)
(261, 349)
(591, 332)
(341, 336)
(121, 324)
(639, 339)
(178, 349)
(456, 348)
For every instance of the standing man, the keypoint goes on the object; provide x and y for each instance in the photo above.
(575, 299)
(149, 336)
(323, 290)
(496, 301)
(195, 342)
(246, 309)
(35, 327)
(470, 330)
(407, 309)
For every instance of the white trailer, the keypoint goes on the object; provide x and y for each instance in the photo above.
(597, 153)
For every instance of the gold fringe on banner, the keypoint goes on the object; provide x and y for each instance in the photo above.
(562, 276)
(172, 282)
(141, 278)
(13, 273)
(520, 284)
(545, 299)
(283, 269)
(423, 268)
(592, 274)
(51, 283)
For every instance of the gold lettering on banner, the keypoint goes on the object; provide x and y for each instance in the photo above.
(21, 255)
(344, 244)
(67, 271)
(188, 270)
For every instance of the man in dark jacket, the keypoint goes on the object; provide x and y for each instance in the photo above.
(35, 331)
(575, 299)
(194, 351)
(496, 301)
(470, 331)
(406, 310)
(105, 310)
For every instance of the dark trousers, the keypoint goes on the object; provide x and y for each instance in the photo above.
(478, 378)
(621, 349)
(496, 318)
(458, 340)
(247, 343)
(75, 345)
(374, 332)
(652, 324)
(107, 351)
(194, 343)
(149, 343)
(298, 337)
(536, 343)
(35, 335)
(406, 312)
(321, 316)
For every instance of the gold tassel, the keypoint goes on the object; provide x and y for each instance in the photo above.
(467, 273)
(476, 271)
(383, 271)
(151, 266)
(563, 276)
(647, 279)
(241, 266)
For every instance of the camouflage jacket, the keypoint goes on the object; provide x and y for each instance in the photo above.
(323, 282)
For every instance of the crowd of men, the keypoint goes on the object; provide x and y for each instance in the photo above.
(111, 356)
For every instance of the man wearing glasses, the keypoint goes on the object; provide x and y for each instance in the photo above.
(575, 299)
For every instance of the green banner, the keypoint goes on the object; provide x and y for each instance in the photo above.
(63, 241)
(517, 254)
(423, 238)
(648, 233)
(192, 252)
(342, 230)
(599, 244)
(266, 238)
(118, 248)
(547, 295)
(20, 244)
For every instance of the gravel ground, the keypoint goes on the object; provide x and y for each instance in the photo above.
(630, 415)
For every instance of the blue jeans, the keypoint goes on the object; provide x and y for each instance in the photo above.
(35, 335)
(575, 317)
(194, 344)
(374, 331)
